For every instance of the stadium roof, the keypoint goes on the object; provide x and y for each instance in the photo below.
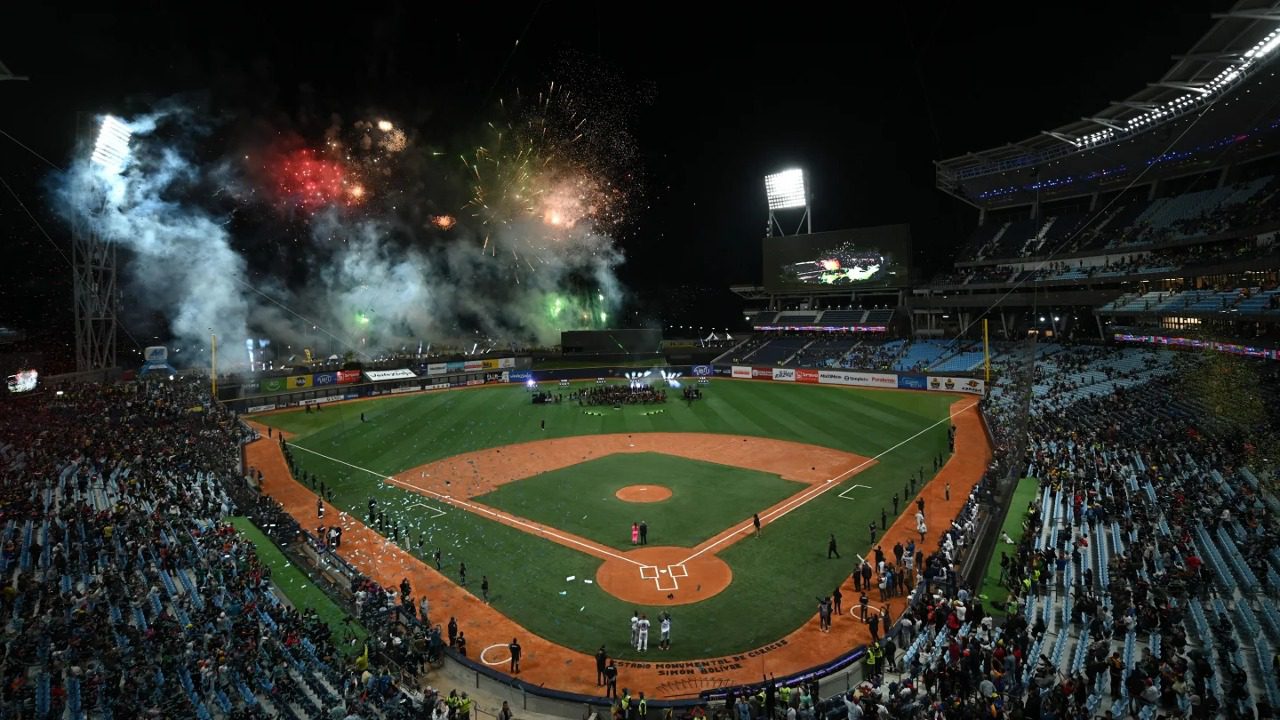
(1123, 138)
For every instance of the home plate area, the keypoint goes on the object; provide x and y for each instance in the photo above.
(664, 578)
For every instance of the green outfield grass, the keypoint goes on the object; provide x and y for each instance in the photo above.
(303, 593)
(992, 590)
(706, 498)
(775, 580)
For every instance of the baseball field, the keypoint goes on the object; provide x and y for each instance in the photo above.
(541, 501)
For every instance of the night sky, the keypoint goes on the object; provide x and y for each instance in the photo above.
(864, 99)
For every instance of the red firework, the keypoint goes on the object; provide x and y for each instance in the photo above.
(305, 180)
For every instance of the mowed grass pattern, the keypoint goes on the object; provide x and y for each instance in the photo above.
(775, 579)
(706, 498)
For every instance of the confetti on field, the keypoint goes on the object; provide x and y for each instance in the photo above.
(571, 578)
(589, 581)
(564, 592)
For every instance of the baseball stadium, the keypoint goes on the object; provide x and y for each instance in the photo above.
(394, 379)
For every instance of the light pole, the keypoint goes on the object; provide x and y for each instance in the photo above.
(213, 366)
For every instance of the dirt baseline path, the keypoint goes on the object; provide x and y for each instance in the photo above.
(548, 664)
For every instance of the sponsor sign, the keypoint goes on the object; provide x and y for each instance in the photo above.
(296, 382)
(273, 385)
(489, 364)
(383, 375)
(520, 376)
(806, 375)
(944, 383)
(320, 400)
(599, 381)
(703, 370)
(155, 355)
(436, 386)
(740, 371)
(437, 368)
(784, 374)
(405, 389)
(762, 373)
(471, 383)
(912, 382)
(346, 377)
(470, 365)
(455, 366)
(564, 383)
(857, 379)
(261, 408)
(506, 363)
(325, 378)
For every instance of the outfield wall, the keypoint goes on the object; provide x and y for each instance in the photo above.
(320, 388)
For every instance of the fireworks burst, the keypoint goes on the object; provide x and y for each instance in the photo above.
(545, 162)
(307, 181)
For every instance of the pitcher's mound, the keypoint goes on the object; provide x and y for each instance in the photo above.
(643, 493)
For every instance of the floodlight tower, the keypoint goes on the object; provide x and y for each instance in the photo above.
(787, 190)
(93, 260)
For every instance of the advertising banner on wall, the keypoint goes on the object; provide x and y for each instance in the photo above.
(273, 385)
(944, 383)
(324, 378)
(784, 374)
(740, 371)
(297, 382)
(382, 375)
(437, 368)
(506, 363)
(346, 377)
(471, 365)
(913, 382)
(762, 373)
(703, 370)
(519, 375)
(805, 375)
(857, 379)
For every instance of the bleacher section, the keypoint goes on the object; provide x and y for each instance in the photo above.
(920, 355)
(1197, 303)
(823, 318)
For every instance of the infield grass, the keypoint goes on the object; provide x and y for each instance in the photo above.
(706, 498)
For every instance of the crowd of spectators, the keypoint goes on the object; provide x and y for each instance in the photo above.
(127, 593)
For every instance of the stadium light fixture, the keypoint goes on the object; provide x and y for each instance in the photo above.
(111, 151)
(786, 189)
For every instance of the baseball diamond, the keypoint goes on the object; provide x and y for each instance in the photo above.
(530, 497)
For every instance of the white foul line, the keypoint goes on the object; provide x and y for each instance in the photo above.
(474, 508)
(821, 488)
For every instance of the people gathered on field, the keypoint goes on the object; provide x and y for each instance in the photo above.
(630, 394)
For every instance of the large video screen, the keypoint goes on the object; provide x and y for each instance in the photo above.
(859, 258)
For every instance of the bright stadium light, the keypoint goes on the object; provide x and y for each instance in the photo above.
(111, 151)
(785, 189)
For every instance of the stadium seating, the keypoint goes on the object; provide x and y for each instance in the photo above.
(131, 596)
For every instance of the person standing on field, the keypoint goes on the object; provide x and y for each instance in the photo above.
(642, 642)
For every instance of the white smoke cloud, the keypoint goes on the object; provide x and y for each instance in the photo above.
(373, 282)
(178, 260)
